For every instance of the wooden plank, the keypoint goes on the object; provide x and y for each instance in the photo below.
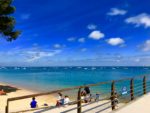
(89, 85)
(132, 89)
(113, 95)
(65, 89)
(144, 85)
(79, 101)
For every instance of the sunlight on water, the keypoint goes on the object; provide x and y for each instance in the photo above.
(50, 78)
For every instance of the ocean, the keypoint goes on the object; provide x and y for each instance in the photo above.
(45, 79)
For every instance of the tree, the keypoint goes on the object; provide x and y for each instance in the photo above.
(7, 22)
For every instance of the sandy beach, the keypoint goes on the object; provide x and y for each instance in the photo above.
(23, 104)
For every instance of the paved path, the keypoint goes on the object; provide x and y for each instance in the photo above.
(89, 108)
(141, 105)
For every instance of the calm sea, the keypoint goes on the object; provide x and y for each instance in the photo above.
(52, 78)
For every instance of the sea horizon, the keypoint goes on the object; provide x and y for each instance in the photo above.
(43, 79)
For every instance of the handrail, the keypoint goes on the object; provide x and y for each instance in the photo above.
(68, 89)
(112, 82)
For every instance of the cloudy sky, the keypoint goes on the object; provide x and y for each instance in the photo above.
(79, 32)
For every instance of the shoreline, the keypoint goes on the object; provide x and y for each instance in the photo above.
(18, 87)
(24, 103)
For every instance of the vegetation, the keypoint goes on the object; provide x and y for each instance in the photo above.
(7, 22)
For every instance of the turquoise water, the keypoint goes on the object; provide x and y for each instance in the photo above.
(52, 78)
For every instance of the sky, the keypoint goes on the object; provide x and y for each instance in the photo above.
(79, 33)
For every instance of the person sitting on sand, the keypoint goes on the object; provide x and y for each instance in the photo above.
(2, 92)
(88, 94)
(59, 100)
(88, 98)
(33, 103)
(66, 100)
(87, 90)
(83, 95)
(83, 92)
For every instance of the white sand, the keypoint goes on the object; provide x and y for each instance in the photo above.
(87, 109)
(141, 105)
(24, 103)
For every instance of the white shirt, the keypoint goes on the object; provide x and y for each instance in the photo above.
(59, 98)
(66, 100)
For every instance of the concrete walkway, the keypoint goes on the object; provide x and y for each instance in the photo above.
(141, 105)
(98, 107)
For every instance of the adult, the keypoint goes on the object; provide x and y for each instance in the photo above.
(87, 90)
(59, 100)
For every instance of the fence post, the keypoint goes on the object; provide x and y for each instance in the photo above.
(144, 85)
(6, 109)
(79, 101)
(113, 95)
(132, 89)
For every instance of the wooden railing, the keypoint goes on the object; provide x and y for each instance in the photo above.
(78, 102)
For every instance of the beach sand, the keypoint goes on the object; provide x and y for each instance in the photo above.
(23, 104)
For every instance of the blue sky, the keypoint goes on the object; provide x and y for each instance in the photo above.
(79, 32)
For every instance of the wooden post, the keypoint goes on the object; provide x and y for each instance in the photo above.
(113, 95)
(132, 89)
(79, 101)
(144, 85)
(6, 110)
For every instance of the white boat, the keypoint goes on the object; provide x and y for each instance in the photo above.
(93, 68)
(85, 68)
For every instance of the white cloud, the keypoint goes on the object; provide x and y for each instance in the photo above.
(82, 40)
(139, 20)
(35, 55)
(57, 46)
(146, 46)
(91, 26)
(84, 49)
(27, 54)
(115, 41)
(71, 39)
(96, 35)
(137, 60)
(116, 11)
(25, 16)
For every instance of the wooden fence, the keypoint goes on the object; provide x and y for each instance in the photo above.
(79, 88)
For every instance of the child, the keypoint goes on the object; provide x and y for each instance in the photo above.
(66, 100)
(97, 97)
(33, 103)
